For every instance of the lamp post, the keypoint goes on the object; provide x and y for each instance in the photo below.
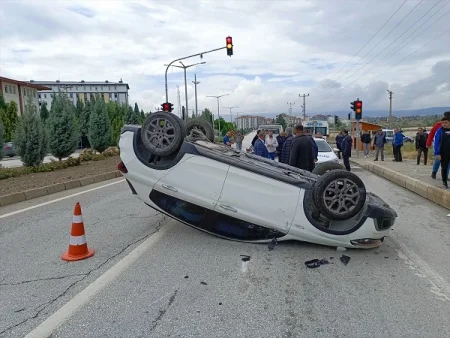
(231, 115)
(185, 78)
(195, 82)
(218, 106)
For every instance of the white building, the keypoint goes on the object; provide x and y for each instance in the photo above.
(249, 121)
(83, 90)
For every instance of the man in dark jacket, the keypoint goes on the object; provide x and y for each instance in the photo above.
(421, 146)
(379, 141)
(255, 138)
(346, 146)
(339, 139)
(442, 148)
(260, 148)
(301, 155)
(286, 150)
(366, 139)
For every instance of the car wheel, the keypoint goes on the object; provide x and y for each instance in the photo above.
(339, 194)
(162, 133)
(324, 167)
(202, 126)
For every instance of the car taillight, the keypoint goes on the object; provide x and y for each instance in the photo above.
(7, 147)
(122, 168)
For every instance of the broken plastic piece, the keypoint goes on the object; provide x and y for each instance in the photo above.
(272, 244)
(341, 249)
(345, 259)
(315, 263)
(245, 258)
(203, 283)
(186, 276)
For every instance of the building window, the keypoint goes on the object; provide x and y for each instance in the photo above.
(6, 89)
(45, 96)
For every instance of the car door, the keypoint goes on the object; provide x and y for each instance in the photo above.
(258, 199)
(198, 180)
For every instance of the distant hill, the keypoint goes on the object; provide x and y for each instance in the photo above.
(372, 113)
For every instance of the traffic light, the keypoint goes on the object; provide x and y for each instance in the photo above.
(229, 44)
(358, 110)
(336, 120)
(167, 107)
(352, 105)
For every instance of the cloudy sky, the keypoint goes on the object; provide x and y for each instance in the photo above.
(281, 49)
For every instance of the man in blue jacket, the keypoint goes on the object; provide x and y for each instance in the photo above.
(442, 148)
(397, 142)
(260, 146)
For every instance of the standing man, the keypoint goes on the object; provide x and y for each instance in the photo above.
(280, 139)
(238, 138)
(346, 146)
(301, 155)
(430, 139)
(260, 146)
(286, 150)
(397, 142)
(442, 149)
(365, 139)
(421, 146)
(379, 141)
(339, 139)
(272, 144)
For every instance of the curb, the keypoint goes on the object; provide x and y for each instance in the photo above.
(54, 188)
(434, 194)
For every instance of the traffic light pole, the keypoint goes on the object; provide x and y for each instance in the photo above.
(358, 139)
(184, 58)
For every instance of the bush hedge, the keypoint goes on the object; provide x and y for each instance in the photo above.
(87, 155)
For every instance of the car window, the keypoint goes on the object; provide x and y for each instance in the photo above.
(184, 211)
(323, 146)
(234, 228)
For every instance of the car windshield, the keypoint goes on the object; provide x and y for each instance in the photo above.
(323, 146)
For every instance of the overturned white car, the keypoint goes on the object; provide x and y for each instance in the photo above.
(175, 168)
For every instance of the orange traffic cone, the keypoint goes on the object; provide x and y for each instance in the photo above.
(78, 248)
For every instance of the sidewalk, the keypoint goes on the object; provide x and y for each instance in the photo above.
(409, 175)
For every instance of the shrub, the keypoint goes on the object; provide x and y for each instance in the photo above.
(63, 133)
(29, 138)
(2, 130)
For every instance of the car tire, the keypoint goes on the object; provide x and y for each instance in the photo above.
(162, 133)
(324, 167)
(202, 125)
(336, 187)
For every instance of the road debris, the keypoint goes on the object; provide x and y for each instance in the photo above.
(272, 244)
(315, 263)
(345, 259)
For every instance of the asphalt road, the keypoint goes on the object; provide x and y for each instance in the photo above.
(14, 162)
(180, 282)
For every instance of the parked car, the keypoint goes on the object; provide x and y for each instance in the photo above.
(9, 149)
(326, 153)
(243, 197)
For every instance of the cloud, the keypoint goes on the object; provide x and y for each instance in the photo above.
(281, 49)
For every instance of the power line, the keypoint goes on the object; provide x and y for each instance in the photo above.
(383, 37)
(392, 42)
(394, 53)
(363, 46)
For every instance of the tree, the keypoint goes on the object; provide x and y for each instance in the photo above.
(62, 127)
(131, 116)
(143, 116)
(2, 130)
(44, 112)
(29, 138)
(99, 127)
(10, 120)
(79, 109)
(207, 115)
(3, 104)
(83, 124)
(280, 120)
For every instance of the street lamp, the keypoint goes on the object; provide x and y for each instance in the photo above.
(230, 111)
(218, 107)
(195, 82)
(185, 79)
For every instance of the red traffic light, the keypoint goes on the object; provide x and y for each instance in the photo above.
(166, 107)
(229, 45)
(229, 40)
(358, 104)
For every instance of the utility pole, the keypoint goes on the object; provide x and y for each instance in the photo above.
(231, 115)
(217, 97)
(195, 82)
(390, 107)
(290, 104)
(185, 79)
(179, 101)
(304, 105)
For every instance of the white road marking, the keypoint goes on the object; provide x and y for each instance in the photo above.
(46, 328)
(438, 285)
(58, 199)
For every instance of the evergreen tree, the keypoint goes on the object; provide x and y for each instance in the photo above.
(99, 127)
(2, 130)
(143, 116)
(44, 112)
(132, 117)
(206, 115)
(29, 138)
(3, 104)
(11, 120)
(63, 134)
(79, 109)
(83, 124)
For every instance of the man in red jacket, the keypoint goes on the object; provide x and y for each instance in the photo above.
(430, 139)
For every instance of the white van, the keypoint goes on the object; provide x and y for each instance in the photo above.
(275, 128)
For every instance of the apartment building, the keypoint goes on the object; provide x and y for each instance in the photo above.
(20, 92)
(250, 121)
(291, 120)
(83, 90)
